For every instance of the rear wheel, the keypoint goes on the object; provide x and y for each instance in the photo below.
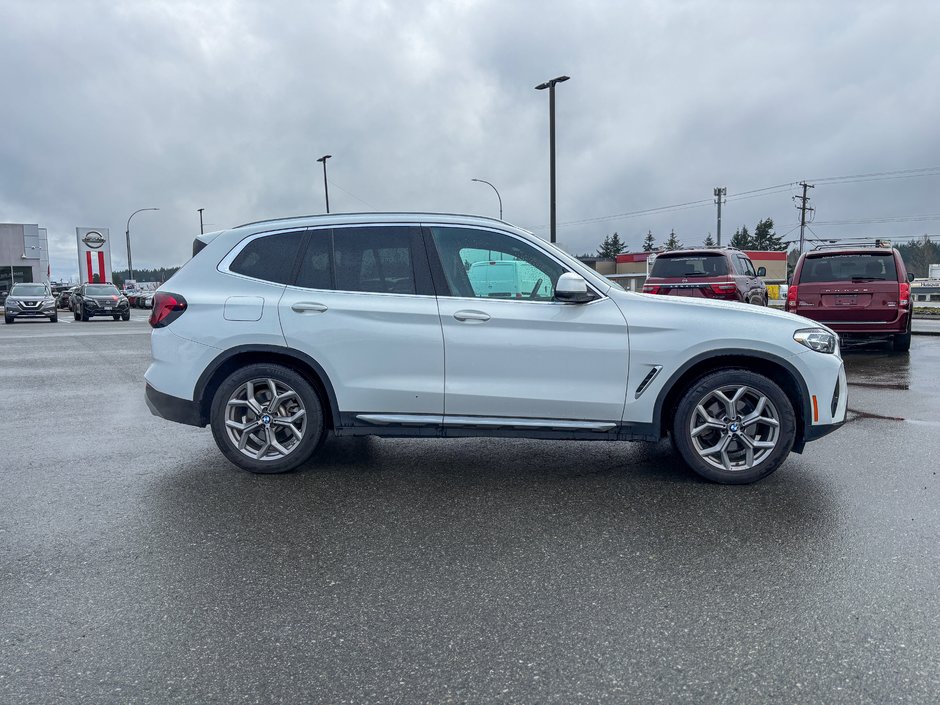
(267, 419)
(734, 426)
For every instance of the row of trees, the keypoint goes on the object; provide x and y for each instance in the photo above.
(764, 238)
(160, 274)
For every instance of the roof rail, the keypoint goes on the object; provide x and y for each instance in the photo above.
(842, 245)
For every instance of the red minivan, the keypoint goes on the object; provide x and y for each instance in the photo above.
(857, 290)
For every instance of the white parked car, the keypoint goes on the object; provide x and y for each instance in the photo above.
(278, 332)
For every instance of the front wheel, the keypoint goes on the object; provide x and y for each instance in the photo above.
(267, 419)
(734, 426)
(54, 319)
(126, 316)
(8, 319)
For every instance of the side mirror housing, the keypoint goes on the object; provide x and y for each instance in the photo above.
(910, 276)
(762, 271)
(572, 289)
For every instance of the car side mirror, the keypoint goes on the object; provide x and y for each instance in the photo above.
(572, 289)
(762, 271)
(910, 276)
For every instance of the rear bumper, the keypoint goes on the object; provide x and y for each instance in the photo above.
(173, 408)
(843, 328)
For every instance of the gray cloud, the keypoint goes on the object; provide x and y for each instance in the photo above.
(113, 106)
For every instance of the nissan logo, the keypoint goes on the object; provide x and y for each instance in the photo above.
(93, 239)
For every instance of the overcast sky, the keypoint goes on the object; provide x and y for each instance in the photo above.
(226, 105)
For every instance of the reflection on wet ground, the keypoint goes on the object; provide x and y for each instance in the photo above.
(876, 366)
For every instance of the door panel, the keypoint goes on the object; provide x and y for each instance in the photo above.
(510, 349)
(383, 351)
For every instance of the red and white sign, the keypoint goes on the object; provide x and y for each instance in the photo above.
(94, 254)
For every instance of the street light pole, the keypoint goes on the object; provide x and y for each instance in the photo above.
(201, 229)
(550, 85)
(326, 190)
(127, 234)
(497, 195)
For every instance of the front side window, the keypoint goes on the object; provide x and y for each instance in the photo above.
(270, 258)
(486, 264)
(746, 267)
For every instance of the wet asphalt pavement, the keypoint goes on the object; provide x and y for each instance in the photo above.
(138, 566)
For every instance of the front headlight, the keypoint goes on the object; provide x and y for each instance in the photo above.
(818, 339)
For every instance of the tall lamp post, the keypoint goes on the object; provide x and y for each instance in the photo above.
(201, 229)
(481, 181)
(550, 85)
(326, 190)
(127, 234)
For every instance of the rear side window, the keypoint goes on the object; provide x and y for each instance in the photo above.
(849, 268)
(270, 258)
(703, 265)
(316, 267)
(374, 259)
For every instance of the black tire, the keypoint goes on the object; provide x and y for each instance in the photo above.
(54, 319)
(313, 431)
(84, 315)
(8, 319)
(75, 313)
(702, 393)
(126, 316)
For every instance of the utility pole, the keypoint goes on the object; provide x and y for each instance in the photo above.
(803, 210)
(720, 192)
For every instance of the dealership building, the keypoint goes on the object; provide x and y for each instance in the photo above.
(24, 254)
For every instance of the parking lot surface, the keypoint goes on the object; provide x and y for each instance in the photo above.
(138, 566)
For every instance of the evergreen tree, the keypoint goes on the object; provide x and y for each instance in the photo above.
(648, 241)
(673, 242)
(709, 241)
(611, 247)
(741, 238)
(919, 254)
(765, 238)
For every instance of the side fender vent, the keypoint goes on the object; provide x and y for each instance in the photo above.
(648, 380)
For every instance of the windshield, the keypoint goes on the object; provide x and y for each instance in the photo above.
(849, 268)
(699, 265)
(101, 290)
(29, 290)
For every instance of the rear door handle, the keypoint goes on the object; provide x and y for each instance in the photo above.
(308, 306)
(478, 316)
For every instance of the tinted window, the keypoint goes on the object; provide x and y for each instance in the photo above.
(700, 265)
(847, 268)
(745, 266)
(316, 268)
(375, 259)
(270, 258)
(485, 264)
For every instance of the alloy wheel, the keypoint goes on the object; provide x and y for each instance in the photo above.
(265, 419)
(734, 427)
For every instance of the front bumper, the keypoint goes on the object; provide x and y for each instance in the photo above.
(49, 312)
(173, 408)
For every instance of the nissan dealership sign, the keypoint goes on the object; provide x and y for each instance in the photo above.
(94, 254)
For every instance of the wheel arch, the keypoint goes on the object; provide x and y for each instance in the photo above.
(771, 366)
(304, 365)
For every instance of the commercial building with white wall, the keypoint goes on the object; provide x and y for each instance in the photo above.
(24, 254)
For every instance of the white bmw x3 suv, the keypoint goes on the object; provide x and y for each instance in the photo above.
(412, 325)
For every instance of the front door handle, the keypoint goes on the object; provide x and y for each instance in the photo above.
(308, 306)
(477, 316)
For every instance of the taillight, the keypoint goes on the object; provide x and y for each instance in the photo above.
(791, 298)
(650, 289)
(167, 308)
(725, 291)
(905, 293)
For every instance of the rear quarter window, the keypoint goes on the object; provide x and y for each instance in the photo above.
(270, 258)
